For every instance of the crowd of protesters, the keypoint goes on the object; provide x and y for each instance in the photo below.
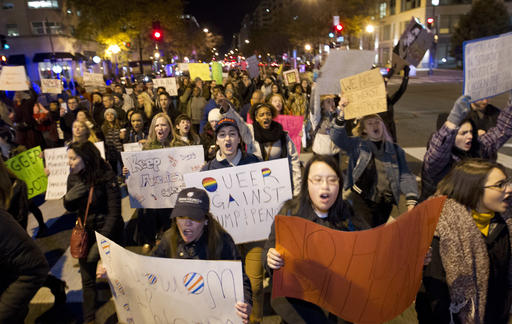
(467, 273)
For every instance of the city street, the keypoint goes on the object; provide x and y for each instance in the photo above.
(415, 114)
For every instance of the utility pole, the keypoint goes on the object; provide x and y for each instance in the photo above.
(140, 55)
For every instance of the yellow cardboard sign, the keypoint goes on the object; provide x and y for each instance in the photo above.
(199, 70)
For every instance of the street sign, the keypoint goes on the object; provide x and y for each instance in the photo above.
(335, 20)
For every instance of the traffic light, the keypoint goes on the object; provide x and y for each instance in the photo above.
(338, 28)
(157, 33)
(430, 22)
(3, 43)
(3, 59)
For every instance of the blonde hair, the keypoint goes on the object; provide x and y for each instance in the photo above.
(148, 104)
(91, 137)
(152, 133)
(359, 129)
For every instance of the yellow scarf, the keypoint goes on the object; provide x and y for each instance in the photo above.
(482, 220)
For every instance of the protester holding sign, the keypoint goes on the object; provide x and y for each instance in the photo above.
(88, 170)
(377, 170)
(468, 278)
(389, 116)
(320, 201)
(195, 234)
(24, 122)
(458, 139)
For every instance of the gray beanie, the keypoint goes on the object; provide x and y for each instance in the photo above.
(110, 110)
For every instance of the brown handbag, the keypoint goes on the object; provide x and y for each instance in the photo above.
(79, 240)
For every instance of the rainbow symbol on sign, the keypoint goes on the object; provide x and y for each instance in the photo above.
(194, 283)
(152, 279)
(210, 184)
(105, 245)
(265, 172)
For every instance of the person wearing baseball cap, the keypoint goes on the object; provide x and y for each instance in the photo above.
(195, 234)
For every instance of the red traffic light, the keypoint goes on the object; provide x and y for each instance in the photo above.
(339, 27)
(430, 20)
(157, 34)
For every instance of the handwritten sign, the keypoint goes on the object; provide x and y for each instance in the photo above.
(156, 176)
(94, 80)
(132, 147)
(51, 86)
(217, 72)
(369, 276)
(486, 63)
(199, 70)
(245, 199)
(291, 124)
(28, 166)
(342, 64)
(414, 42)
(168, 83)
(253, 66)
(57, 163)
(101, 147)
(13, 78)
(161, 290)
(366, 94)
(291, 77)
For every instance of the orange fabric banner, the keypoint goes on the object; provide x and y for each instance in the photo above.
(368, 276)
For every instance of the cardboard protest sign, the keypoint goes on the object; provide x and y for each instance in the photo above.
(101, 147)
(157, 290)
(199, 70)
(94, 80)
(291, 124)
(28, 166)
(132, 147)
(168, 83)
(365, 92)
(217, 72)
(57, 163)
(414, 43)
(51, 86)
(183, 67)
(253, 66)
(486, 66)
(342, 64)
(13, 78)
(290, 77)
(245, 199)
(156, 176)
(368, 276)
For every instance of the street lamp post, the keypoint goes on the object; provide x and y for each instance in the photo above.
(433, 48)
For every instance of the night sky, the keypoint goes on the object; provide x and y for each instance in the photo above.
(220, 16)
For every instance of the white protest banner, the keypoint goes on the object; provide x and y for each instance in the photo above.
(51, 86)
(487, 64)
(57, 163)
(101, 147)
(13, 78)
(94, 80)
(156, 176)
(168, 83)
(253, 66)
(342, 64)
(365, 92)
(291, 76)
(132, 147)
(245, 199)
(163, 290)
(414, 43)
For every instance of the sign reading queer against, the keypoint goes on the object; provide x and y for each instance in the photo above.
(368, 276)
(168, 83)
(366, 94)
(28, 166)
(57, 163)
(487, 66)
(156, 176)
(245, 199)
(161, 290)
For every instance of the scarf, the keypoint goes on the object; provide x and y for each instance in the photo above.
(482, 220)
(271, 135)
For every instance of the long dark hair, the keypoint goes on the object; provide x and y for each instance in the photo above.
(214, 232)
(94, 165)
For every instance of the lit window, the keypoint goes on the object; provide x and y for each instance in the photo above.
(7, 5)
(69, 12)
(41, 28)
(12, 30)
(43, 4)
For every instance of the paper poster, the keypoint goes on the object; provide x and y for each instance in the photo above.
(414, 42)
(51, 86)
(168, 83)
(94, 80)
(101, 147)
(217, 72)
(13, 78)
(183, 67)
(291, 124)
(253, 66)
(342, 64)
(290, 77)
(199, 70)
(245, 199)
(57, 163)
(486, 66)
(369, 276)
(132, 147)
(28, 166)
(366, 94)
(156, 176)
(163, 290)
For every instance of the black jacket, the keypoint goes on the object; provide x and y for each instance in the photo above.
(23, 269)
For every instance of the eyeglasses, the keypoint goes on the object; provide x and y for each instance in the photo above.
(500, 186)
(331, 180)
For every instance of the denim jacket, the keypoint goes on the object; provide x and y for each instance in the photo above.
(360, 154)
